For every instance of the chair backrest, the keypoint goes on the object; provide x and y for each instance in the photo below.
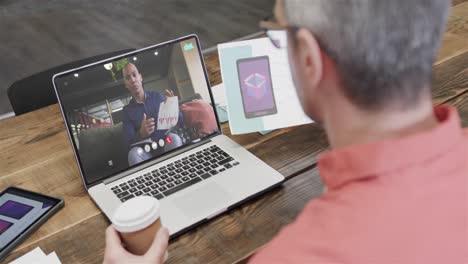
(37, 91)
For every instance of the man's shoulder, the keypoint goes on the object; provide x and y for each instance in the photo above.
(131, 107)
(127, 107)
(153, 93)
(297, 239)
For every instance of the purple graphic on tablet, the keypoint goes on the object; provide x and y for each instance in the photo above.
(256, 86)
(14, 209)
(4, 225)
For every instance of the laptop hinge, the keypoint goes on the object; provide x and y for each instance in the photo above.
(154, 162)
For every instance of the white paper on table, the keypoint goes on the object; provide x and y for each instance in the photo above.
(52, 259)
(168, 113)
(37, 256)
(288, 106)
(34, 256)
(218, 94)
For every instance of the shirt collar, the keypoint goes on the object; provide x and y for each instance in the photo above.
(338, 167)
(133, 101)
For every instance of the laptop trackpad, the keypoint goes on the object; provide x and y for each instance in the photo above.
(203, 201)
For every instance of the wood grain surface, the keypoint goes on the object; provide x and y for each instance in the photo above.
(450, 79)
(35, 154)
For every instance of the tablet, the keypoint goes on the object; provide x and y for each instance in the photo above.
(256, 86)
(22, 212)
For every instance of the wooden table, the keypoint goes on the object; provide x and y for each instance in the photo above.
(35, 154)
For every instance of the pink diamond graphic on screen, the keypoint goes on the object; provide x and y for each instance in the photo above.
(4, 225)
(256, 85)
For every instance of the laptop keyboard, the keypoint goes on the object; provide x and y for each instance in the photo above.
(177, 175)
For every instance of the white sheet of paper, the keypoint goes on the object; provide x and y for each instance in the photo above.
(168, 113)
(52, 259)
(37, 256)
(289, 109)
(219, 95)
(34, 256)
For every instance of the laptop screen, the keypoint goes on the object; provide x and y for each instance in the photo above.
(132, 109)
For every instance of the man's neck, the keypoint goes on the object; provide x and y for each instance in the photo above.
(351, 126)
(140, 98)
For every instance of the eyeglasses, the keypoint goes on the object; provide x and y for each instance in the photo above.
(277, 33)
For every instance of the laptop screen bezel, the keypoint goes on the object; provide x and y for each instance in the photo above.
(148, 162)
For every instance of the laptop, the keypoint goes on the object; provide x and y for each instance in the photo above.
(144, 123)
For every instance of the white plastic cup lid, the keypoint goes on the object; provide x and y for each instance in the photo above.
(136, 214)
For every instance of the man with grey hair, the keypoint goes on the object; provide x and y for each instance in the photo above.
(397, 174)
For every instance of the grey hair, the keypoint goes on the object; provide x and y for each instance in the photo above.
(383, 49)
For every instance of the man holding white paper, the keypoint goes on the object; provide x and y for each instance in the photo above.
(148, 117)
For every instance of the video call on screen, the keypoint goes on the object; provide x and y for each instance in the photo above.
(133, 109)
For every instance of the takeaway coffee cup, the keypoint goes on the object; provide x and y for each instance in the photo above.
(137, 220)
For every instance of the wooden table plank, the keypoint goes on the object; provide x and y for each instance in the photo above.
(450, 79)
(31, 139)
(458, 20)
(217, 242)
(456, 2)
(452, 45)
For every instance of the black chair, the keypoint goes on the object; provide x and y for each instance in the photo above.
(37, 91)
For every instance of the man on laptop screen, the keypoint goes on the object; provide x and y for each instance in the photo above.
(115, 121)
(139, 118)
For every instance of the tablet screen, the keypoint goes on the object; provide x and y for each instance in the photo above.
(19, 210)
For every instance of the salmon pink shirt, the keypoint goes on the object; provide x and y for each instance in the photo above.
(396, 201)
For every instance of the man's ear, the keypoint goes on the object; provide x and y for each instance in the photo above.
(309, 56)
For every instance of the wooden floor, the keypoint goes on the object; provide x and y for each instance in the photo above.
(36, 35)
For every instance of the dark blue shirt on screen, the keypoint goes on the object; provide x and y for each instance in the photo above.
(133, 115)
